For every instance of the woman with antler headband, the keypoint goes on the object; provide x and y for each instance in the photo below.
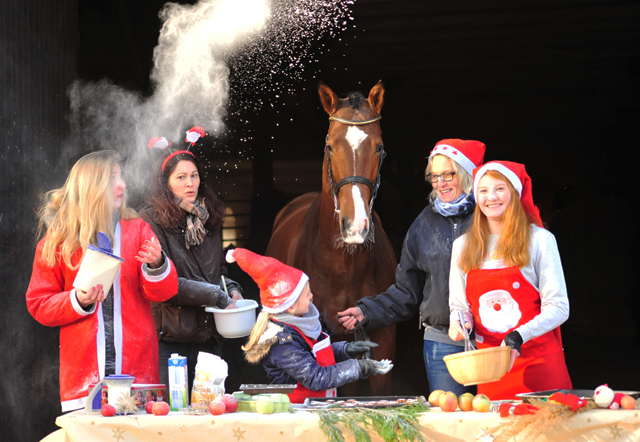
(187, 217)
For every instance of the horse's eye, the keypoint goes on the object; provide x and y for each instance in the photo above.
(327, 147)
(379, 148)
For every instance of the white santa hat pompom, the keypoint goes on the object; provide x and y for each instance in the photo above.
(230, 258)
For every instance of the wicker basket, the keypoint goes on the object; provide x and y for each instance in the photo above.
(479, 366)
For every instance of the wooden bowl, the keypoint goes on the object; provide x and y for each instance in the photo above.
(479, 366)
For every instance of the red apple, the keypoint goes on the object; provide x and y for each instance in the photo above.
(448, 402)
(217, 407)
(628, 402)
(434, 398)
(160, 408)
(108, 410)
(464, 401)
(481, 403)
(148, 407)
(230, 402)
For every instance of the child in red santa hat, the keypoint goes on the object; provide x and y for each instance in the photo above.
(506, 276)
(288, 337)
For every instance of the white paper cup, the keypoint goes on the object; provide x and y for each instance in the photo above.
(97, 268)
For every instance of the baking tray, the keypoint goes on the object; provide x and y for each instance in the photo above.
(267, 388)
(583, 394)
(363, 401)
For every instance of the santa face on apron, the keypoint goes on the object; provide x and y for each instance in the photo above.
(501, 301)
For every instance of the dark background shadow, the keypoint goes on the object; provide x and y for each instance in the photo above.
(552, 84)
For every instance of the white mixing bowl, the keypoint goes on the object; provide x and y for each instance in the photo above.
(237, 322)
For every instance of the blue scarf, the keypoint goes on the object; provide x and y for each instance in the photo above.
(464, 204)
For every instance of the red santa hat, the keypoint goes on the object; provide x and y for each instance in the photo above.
(467, 153)
(518, 177)
(194, 134)
(280, 285)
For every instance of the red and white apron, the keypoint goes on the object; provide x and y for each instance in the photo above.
(541, 365)
(323, 352)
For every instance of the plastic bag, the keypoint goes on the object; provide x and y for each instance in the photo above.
(208, 383)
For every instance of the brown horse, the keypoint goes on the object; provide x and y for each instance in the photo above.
(334, 236)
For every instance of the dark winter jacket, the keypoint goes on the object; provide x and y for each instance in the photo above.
(183, 318)
(422, 276)
(287, 359)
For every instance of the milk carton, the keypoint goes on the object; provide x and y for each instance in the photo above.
(178, 390)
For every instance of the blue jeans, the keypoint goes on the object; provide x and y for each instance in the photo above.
(437, 373)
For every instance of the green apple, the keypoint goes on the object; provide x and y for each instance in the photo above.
(265, 406)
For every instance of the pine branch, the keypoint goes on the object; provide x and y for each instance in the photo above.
(391, 424)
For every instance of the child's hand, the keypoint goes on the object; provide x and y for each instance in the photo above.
(370, 367)
(359, 347)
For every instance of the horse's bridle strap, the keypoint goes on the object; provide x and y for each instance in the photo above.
(355, 122)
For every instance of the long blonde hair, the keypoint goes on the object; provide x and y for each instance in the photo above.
(71, 216)
(513, 244)
(261, 325)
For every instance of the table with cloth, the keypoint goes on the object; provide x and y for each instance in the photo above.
(434, 425)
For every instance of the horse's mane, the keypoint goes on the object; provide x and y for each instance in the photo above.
(355, 99)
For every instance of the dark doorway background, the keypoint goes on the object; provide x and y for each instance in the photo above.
(552, 84)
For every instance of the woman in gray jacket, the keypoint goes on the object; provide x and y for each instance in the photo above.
(187, 218)
(422, 276)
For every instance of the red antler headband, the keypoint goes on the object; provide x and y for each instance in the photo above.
(177, 152)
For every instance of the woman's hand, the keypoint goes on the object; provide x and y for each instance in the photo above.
(85, 299)
(231, 306)
(151, 253)
(455, 329)
(235, 295)
(513, 340)
(350, 317)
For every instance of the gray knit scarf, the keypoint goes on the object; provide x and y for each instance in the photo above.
(309, 323)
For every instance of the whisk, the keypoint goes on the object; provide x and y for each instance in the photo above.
(468, 346)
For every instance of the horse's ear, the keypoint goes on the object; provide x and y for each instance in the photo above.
(376, 97)
(330, 101)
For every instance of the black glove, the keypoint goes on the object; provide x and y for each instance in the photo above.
(370, 367)
(358, 347)
(514, 340)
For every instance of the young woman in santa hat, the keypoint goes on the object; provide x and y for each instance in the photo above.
(288, 337)
(187, 218)
(507, 279)
(100, 333)
(422, 276)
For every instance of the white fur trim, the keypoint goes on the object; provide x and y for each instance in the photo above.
(454, 154)
(117, 308)
(511, 176)
(271, 331)
(156, 278)
(291, 299)
(100, 343)
(73, 404)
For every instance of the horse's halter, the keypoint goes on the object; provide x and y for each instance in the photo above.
(335, 187)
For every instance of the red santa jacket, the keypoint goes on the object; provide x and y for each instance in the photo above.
(51, 301)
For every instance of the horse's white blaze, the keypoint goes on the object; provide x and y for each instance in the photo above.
(360, 219)
(355, 136)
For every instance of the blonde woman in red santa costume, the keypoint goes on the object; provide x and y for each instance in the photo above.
(288, 338)
(507, 279)
(100, 333)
